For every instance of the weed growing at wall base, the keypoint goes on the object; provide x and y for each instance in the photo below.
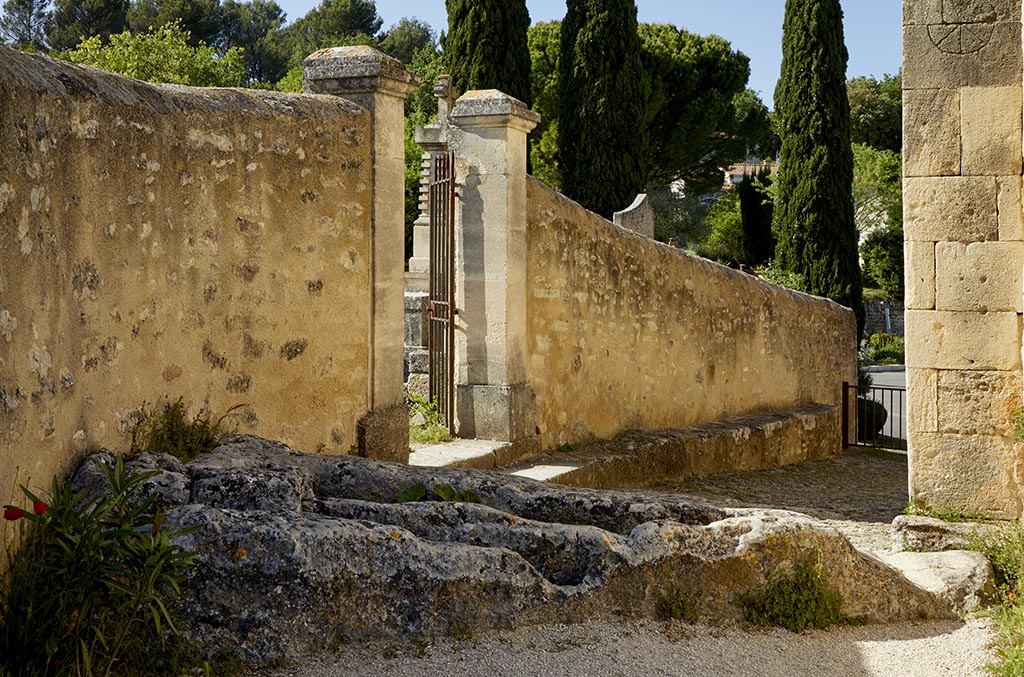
(168, 430)
(1005, 551)
(426, 422)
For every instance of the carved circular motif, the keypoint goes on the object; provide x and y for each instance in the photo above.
(967, 26)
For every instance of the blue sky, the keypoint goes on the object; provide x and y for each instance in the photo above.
(754, 27)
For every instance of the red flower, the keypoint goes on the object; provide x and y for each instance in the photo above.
(38, 507)
(12, 514)
(1012, 596)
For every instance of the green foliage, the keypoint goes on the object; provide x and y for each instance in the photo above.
(1005, 551)
(486, 48)
(947, 514)
(814, 217)
(775, 274)
(433, 430)
(603, 105)
(201, 19)
(795, 601)
(332, 23)
(410, 35)
(72, 21)
(255, 27)
(161, 56)
(882, 252)
(543, 40)
(440, 492)
(23, 24)
(291, 82)
(88, 591)
(678, 602)
(724, 242)
(679, 215)
(756, 208)
(1017, 420)
(168, 430)
(700, 117)
(882, 348)
(876, 112)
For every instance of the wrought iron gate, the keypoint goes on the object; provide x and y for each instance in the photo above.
(441, 332)
(881, 416)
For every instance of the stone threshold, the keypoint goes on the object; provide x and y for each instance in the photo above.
(474, 454)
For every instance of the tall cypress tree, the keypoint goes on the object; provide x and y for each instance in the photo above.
(603, 92)
(813, 219)
(486, 46)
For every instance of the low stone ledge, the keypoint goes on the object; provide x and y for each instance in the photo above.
(758, 442)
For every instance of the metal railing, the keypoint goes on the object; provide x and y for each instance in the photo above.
(874, 416)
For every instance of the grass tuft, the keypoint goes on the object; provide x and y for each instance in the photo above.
(167, 429)
(795, 601)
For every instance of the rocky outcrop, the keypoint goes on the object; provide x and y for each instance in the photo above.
(298, 551)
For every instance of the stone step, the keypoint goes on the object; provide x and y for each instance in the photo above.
(755, 442)
(474, 454)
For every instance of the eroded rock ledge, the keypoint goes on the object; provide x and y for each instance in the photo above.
(299, 551)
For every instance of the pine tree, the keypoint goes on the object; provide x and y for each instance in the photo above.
(486, 46)
(23, 23)
(814, 223)
(603, 103)
(71, 21)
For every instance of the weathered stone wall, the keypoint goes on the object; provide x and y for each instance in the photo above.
(875, 313)
(167, 241)
(962, 219)
(624, 332)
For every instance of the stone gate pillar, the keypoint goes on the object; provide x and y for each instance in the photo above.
(379, 84)
(493, 400)
(962, 77)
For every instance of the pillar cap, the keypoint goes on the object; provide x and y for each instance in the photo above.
(356, 69)
(490, 107)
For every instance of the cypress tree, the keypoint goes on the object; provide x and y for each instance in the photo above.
(486, 46)
(814, 224)
(603, 103)
(756, 211)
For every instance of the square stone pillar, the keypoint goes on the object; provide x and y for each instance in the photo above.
(964, 251)
(379, 84)
(488, 137)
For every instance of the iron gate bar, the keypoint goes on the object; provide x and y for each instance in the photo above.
(441, 301)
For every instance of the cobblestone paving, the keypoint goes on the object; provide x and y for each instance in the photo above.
(859, 493)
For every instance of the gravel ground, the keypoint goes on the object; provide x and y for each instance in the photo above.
(649, 648)
(859, 493)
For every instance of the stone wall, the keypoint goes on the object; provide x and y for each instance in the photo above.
(624, 332)
(962, 220)
(882, 317)
(163, 242)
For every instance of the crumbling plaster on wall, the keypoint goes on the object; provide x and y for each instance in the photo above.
(164, 241)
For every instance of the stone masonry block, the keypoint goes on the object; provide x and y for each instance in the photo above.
(919, 264)
(1011, 216)
(983, 276)
(931, 132)
(963, 340)
(921, 400)
(973, 472)
(990, 130)
(980, 11)
(922, 12)
(953, 208)
(961, 55)
(977, 402)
